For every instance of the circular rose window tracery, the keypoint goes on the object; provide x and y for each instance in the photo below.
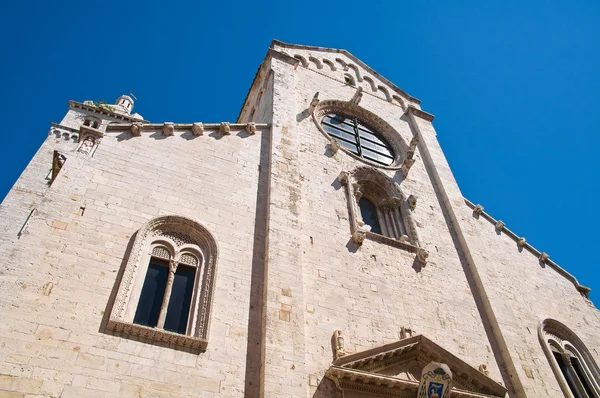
(355, 136)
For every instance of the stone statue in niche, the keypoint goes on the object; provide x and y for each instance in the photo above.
(87, 145)
(338, 344)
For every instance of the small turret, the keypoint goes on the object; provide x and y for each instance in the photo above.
(124, 104)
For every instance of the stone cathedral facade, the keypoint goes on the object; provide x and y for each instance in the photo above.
(319, 246)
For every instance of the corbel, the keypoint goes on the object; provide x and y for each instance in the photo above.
(543, 257)
(499, 226)
(334, 146)
(394, 202)
(343, 178)
(136, 129)
(198, 129)
(412, 202)
(168, 129)
(406, 165)
(478, 210)
(422, 256)
(521, 242)
(251, 128)
(313, 103)
(359, 236)
(357, 96)
(225, 128)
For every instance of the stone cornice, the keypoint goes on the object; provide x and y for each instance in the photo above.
(420, 113)
(103, 111)
(349, 55)
(522, 244)
(184, 126)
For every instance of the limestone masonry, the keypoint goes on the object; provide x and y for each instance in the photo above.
(319, 246)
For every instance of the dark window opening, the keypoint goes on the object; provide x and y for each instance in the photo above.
(369, 214)
(181, 298)
(567, 375)
(582, 377)
(153, 292)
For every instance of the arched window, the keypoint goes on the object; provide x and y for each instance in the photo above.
(573, 365)
(358, 138)
(166, 290)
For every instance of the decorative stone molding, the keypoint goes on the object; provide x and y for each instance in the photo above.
(406, 165)
(521, 243)
(89, 139)
(412, 202)
(338, 344)
(198, 129)
(251, 128)
(359, 236)
(478, 210)
(136, 129)
(422, 256)
(398, 229)
(168, 129)
(555, 337)
(314, 102)
(543, 257)
(357, 96)
(225, 128)
(499, 226)
(334, 146)
(400, 148)
(180, 231)
(343, 178)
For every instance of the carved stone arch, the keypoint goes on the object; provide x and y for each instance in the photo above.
(302, 60)
(183, 233)
(342, 63)
(400, 101)
(371, 83)
(555, 336)
(388, 97)
(356, 71)
(316, 62)
(331, 64)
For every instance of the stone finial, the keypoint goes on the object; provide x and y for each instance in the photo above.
(422, 256)
(412, 202)
(168, 129)
(314, 102)
(483, 369)
(225, 128)
(198, 129)
(359, 236)
(478, 210)
(405, 333)
(499, 226)
(357, 96)
(543, 257)
(251, 128)
(343, 178)
(521, 243)
(436, 381)
(334, 146)
(136, 129)
(338, 344)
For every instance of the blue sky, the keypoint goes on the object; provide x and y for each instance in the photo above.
(514, 86)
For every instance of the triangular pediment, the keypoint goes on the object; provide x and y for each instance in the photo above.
(395, 370)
